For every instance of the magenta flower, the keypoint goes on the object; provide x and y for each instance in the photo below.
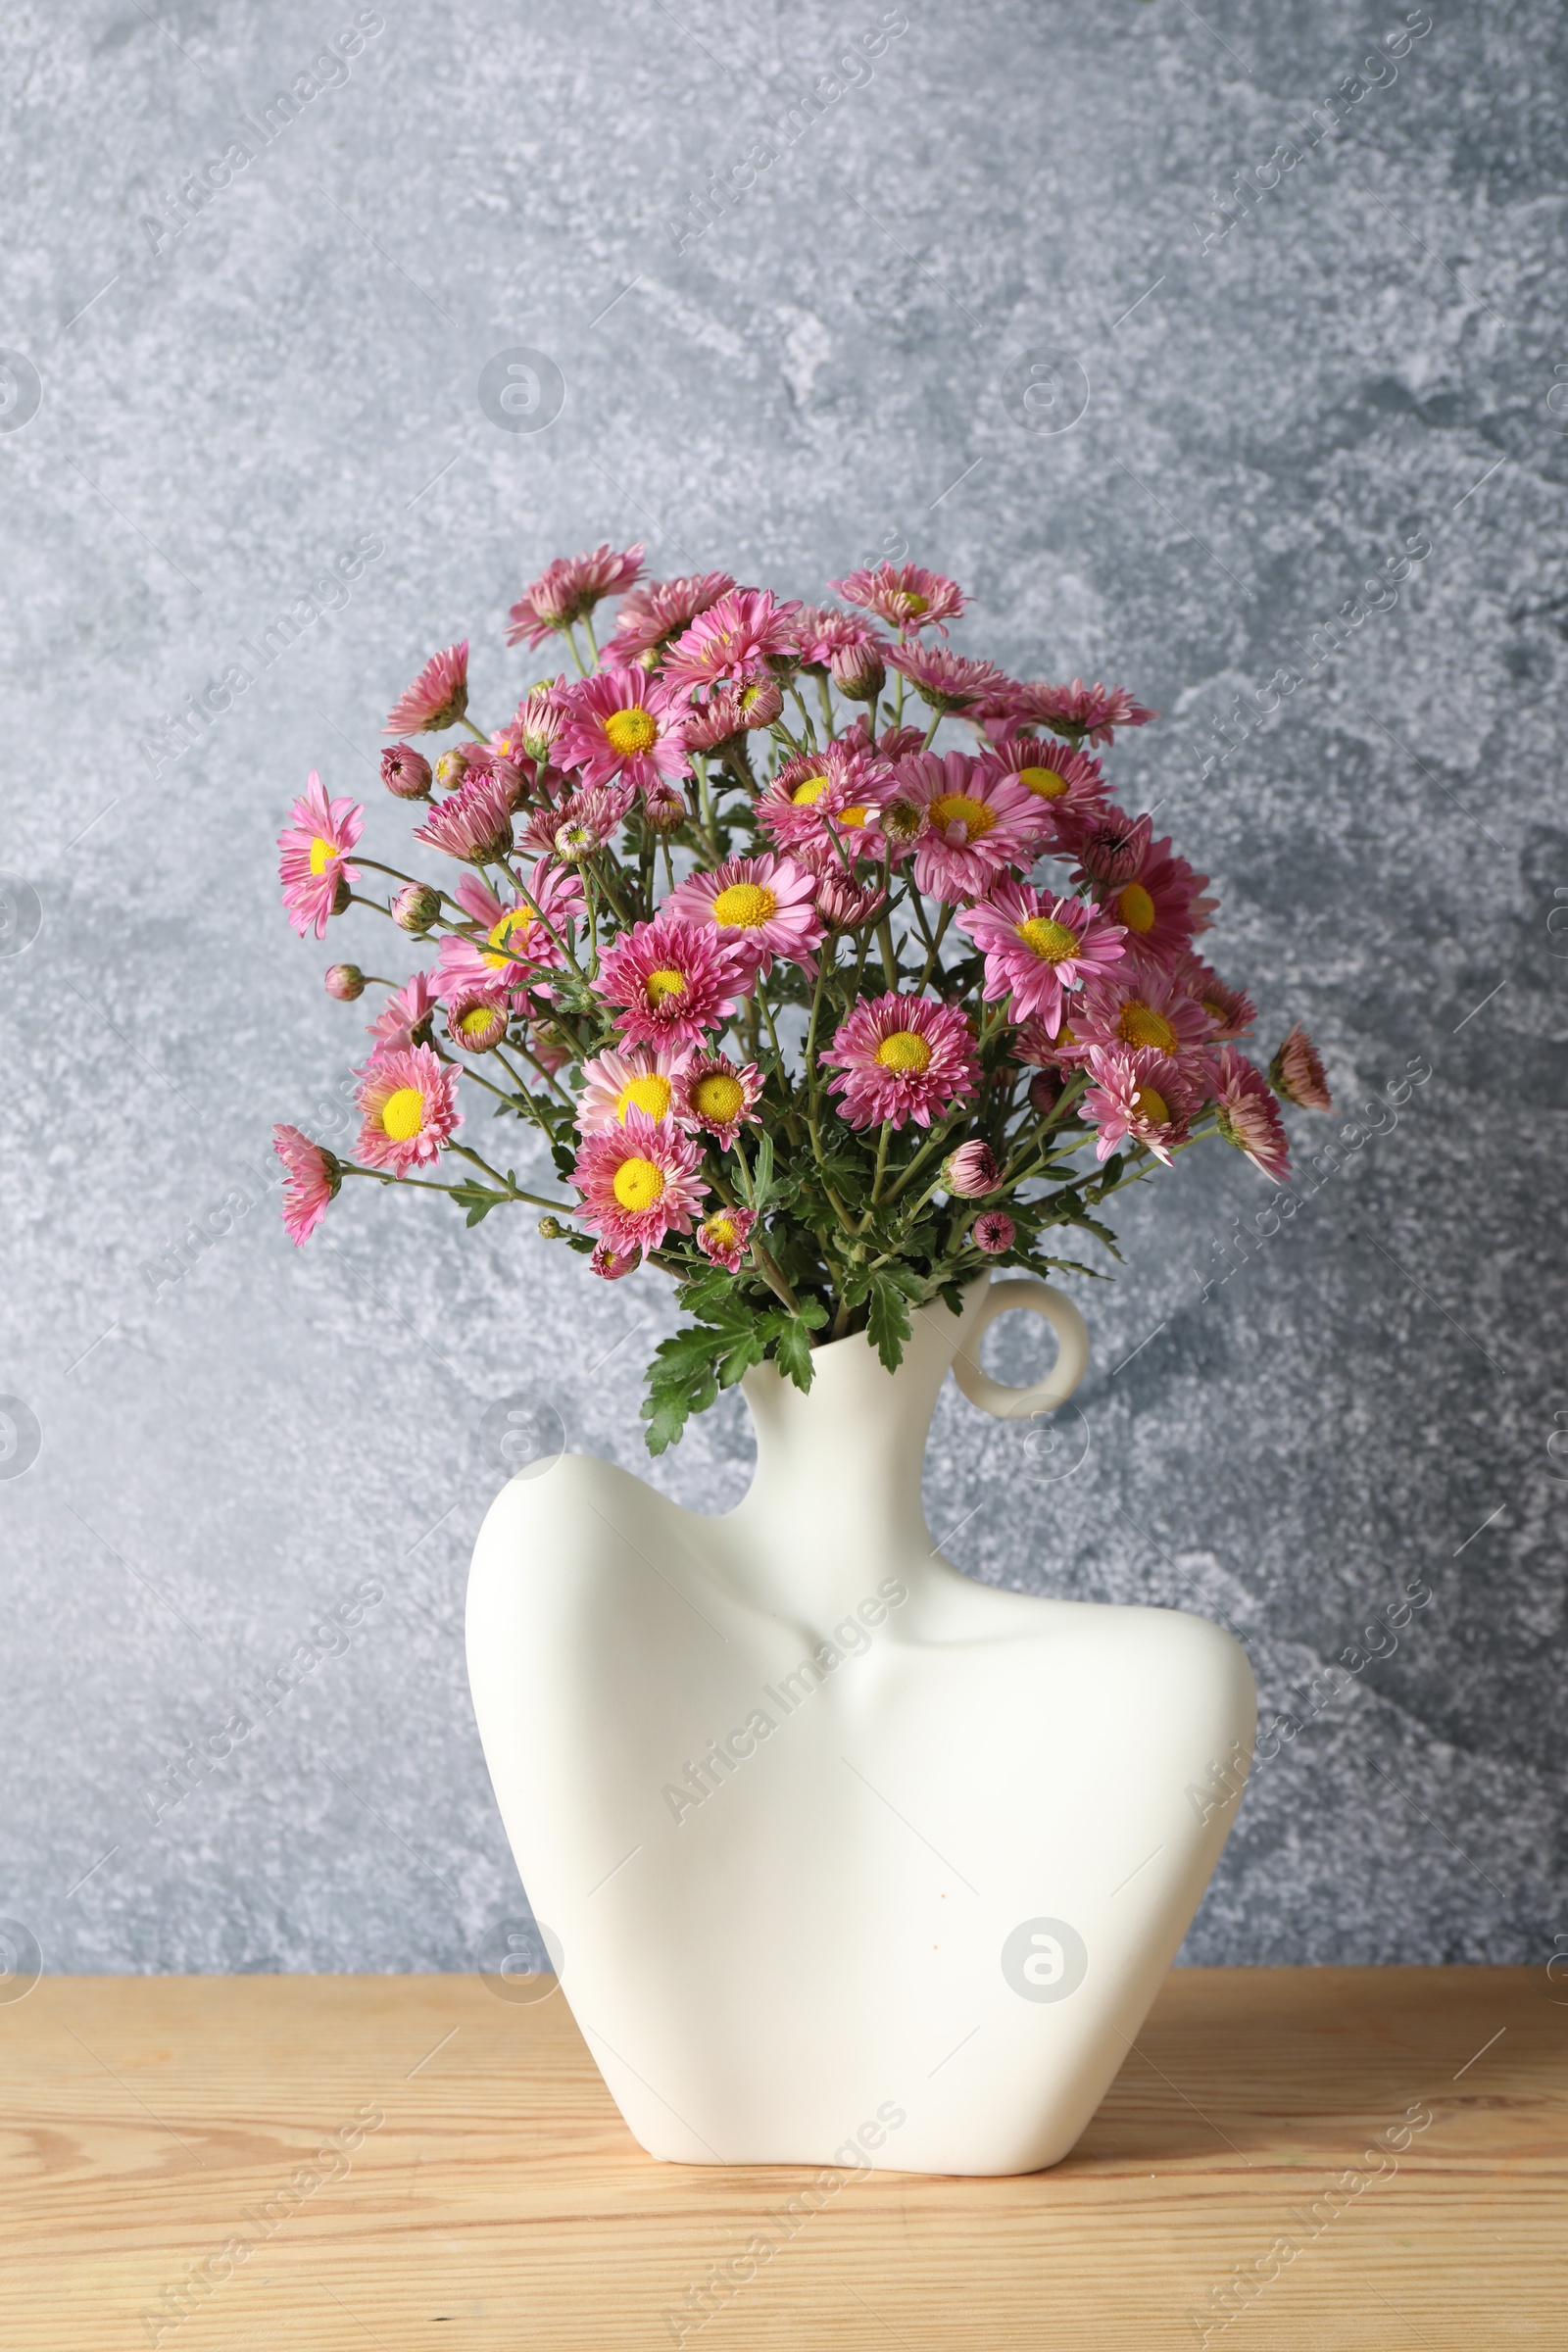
(408, 1099)
(313, 849)
(521, 938)
(906, 596)
(573, 829)
(474, 823)
(438, 697)
(733, 642)
(901, 1058)
(619, 727)
(1247, 1116)
(405, 1018)
(1296, 1071)
(760, 906)
(1069, 783)
(635, 1078)
(972, 1171)
(718, 1096)
(674, 981)
(945, 681)
(973, 823)
(820, 797)
(725, 1237)
(568, 590)
(994, 1232)
(732, 710)
(1143, 885)
(1092, 712)
(1136, 1097)
(1140, 1007)
(311, 1177)
(638, 1182)
(1231, 1013)
(1038, 947)
(660, 610)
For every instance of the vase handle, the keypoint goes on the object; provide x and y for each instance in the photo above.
(1073, 1352)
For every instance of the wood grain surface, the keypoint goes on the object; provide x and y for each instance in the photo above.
(1260, 2176)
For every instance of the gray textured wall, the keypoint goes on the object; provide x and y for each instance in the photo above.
(1282, 1431)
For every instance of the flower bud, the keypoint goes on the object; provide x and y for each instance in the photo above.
(1043, 1093)
(993, 1232)
(972, 1170)
(1296, 1072)
(552, 1229)
(858, 671)
(761, 703)
(663, 808)
(416, 908)
(452, 766)
(476, 1020)
(345, 981)
(574, 842)
(405, 772)
(845, 906)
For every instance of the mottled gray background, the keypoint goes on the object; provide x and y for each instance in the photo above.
(1282, 1432)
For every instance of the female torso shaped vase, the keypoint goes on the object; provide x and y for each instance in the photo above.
(845, 1858)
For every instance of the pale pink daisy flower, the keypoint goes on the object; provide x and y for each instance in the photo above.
(474, 823)
(819, 797)
(718, 1096)
(731, 711)
(906, 595)
(1231, 1013)
(901, 1058)
(620, 727)
(994, 1232)
(638, 1182)
(725, 1237)
(311, 1177)
(1069, 783)
(314, 848)
(945, 681)
(630, 1078)
(1296, 1071)
(1038, 947)
(405, 1018)
(568, 590)
(437, 699)
(573, 829)
(758, 907)
(477, 1018)
(660, 610)
(978, 823)
(1247, 1116)
(972, 1171)
(822, 632)
(672, 981)
(521, 938)
(1094, 712)
(1136, 1097)
(408, 1099)
(1139, 1006)
(733, 642)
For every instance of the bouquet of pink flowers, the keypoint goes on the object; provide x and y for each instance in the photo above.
(819, 1017)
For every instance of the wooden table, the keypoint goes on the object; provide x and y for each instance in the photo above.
(1245, 2182)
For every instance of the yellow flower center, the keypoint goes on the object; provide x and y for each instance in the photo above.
(631, 731)
(1135, 907)
(904, 1049)
(403, 1115)
(718, 1097)
(914, 602)
(514, 925)
(659, 985)
(723, 1231)
(1043, 782)
(475, 1021)
(1064, 1036)
(1052, 942)
(1216, 1011)
(1151, 1103)
(638, 1183)
(744, 907)
(854, 816)
(807, 795)
(957, 808)
(1141, 1025)
(650, 1093)
(323, 854)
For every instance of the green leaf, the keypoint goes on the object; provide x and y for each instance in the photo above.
(762, 1173)
(888, 1321)
(794, 1349)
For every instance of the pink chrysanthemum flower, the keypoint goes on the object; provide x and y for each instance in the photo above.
(972, 1171)
(822, 632)
(1056, 1050)
(408, 1099)
(725, 1237)
(994, 1232)
(821, 796)
(620, 727)
(1137, 1006)
(568, 590)
(731, 711)
(1143, 885)
(406, 1018)
(733, 642)
(311, 1177)
(1036, 947)
(1247, 1116)
(758, 907)
(1231, 1013)
(901, 1058)
(978, 823)
(1069, 784)
(844, 904)
(638, 1182)
(474, 823)
(611, 1264)
(1296, 1071)
(660, 610)
(573, 829)
(1091, 711)
(540, 716)
(945, 681)
(634, 1078)
(437, 699)
(906, 595)
(1137, 1095)
(520, 939)
(477, 1018)
(313, 851)
(718, 1096)
(672, 981)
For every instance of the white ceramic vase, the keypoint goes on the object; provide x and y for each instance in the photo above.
(845, 1858)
